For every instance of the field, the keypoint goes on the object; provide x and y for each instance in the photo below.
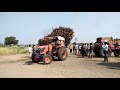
(20, 66)
(7, 50)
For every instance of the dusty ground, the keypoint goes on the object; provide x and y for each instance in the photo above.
(19, 66)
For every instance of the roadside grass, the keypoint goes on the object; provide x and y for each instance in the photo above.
(7, 50)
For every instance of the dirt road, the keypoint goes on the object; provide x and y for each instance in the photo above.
(19, 66)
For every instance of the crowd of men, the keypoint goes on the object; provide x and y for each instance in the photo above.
(88, 50)
(82, 49)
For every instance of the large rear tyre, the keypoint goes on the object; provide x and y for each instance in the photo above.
(116, 53)
(62, 54)
(47, 59)
(96, 53)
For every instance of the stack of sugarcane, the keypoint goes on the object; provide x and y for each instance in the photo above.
(65, 32)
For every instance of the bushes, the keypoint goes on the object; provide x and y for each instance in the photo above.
(12, 50)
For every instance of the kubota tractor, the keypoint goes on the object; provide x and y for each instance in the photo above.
(53, 49)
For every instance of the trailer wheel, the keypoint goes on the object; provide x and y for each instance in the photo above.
(96, 53)
(116, 53)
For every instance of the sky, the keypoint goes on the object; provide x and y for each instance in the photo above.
(28, 27)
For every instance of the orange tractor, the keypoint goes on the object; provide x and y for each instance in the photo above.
(54, 48)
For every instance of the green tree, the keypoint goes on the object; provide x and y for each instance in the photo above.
(11, 40)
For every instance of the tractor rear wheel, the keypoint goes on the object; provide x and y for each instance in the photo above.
(62, 54)
(47, 59)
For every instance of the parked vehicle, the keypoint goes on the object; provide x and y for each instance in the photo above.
(117, 47)
(98, 45)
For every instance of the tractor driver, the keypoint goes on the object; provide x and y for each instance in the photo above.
(58, 42)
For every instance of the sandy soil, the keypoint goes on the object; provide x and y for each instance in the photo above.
(20, 66)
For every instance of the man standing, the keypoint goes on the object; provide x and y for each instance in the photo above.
(79, 49)
(105, 51)
(30, 50)
(86, 49)
(76, 48)
(83, 50)
(71, 47)
(90, 51)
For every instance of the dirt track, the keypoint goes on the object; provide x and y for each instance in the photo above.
(19, 66)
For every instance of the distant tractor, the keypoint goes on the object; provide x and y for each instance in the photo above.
(117, 47)
(98, 45)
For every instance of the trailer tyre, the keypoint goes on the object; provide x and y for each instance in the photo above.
(116, 53)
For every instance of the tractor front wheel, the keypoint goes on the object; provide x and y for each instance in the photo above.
(35, 60)
(47, 59)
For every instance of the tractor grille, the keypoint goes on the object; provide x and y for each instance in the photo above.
(40, 50)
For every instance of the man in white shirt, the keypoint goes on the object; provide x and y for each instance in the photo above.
(76, 49)
(105, 51)
(30, 50)
(79, 49)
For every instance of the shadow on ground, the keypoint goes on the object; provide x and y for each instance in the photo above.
(28, 62)
(31, 62)
(111, 65)
(93, 60)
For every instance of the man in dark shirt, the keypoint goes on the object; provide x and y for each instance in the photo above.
(91, 51)
(83, 50)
